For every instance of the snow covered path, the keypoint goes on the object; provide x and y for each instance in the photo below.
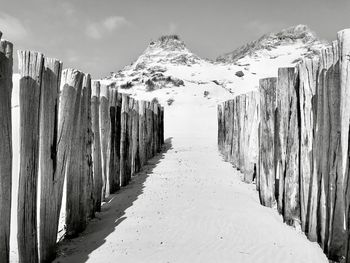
(188, 205)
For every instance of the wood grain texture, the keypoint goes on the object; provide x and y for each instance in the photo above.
(287, 147)
(267, 88)
(74, 165)
(105, 129)
(6, 64)
(124, 141)
(96, 144)
(31, 69)
(48, 157)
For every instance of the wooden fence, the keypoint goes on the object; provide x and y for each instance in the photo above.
(292, 137)
(73, 130)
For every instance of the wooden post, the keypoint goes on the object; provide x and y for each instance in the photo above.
(267, 137)
(96, 154)
(159, 119)
(130, 141)
(118, 137)
(105, 135)
(287, 146)
(74, 167)
(31, 69)
(112, 172)
(124, 141)
(142, 132)
(85, 180)
(135, 138)
(162, 126)
(150, 129)
(88, 142)
(48, 157)
(6, 62)
(309, 186)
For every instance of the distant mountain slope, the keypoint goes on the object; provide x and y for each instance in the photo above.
(168, 65)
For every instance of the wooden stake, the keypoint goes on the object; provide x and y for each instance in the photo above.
(96, 154)
(105, 127)
(48, 157)
(6, 62)
(31, 69)
(124, 141)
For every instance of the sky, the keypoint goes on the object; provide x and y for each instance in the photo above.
(103, 36)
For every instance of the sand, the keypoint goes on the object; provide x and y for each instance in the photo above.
(188, 205)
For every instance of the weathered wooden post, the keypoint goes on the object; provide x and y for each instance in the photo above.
(130, 141)
(48, 156)
(83, 180)
(135, 138)
(267, 92)
(118, 138)
(74, 166)
(88, 183)
(150, 129)
(105, 128)
(142, 132)
(124, 141)
(112, 171)
(159, 133)
(6, 62)
(287, 147)
(155, 128)
(96, 153)
(31, 69)
(251, 146)
(162, 126)
(308, 72)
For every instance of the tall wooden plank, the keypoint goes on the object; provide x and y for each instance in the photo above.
(96, 153)
(105, 128)
(130, 141)
(162, 127)
(48, 156)
(124, 141)
(6, 63)
(31, 69)
(118, 137)
(288, 146)
(308, 72)
(74, 166)
(142, 132)
(135, 139)
(88, 180)
(112, 172)
(267, 90)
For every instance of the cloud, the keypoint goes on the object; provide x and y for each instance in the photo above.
(93, 31)
(68, 8)
(97, 30)
(114, 22)
(12, 28)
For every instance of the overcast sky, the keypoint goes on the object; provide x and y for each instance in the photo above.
(100, 36)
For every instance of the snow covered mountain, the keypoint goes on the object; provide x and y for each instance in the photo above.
(169, 69)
